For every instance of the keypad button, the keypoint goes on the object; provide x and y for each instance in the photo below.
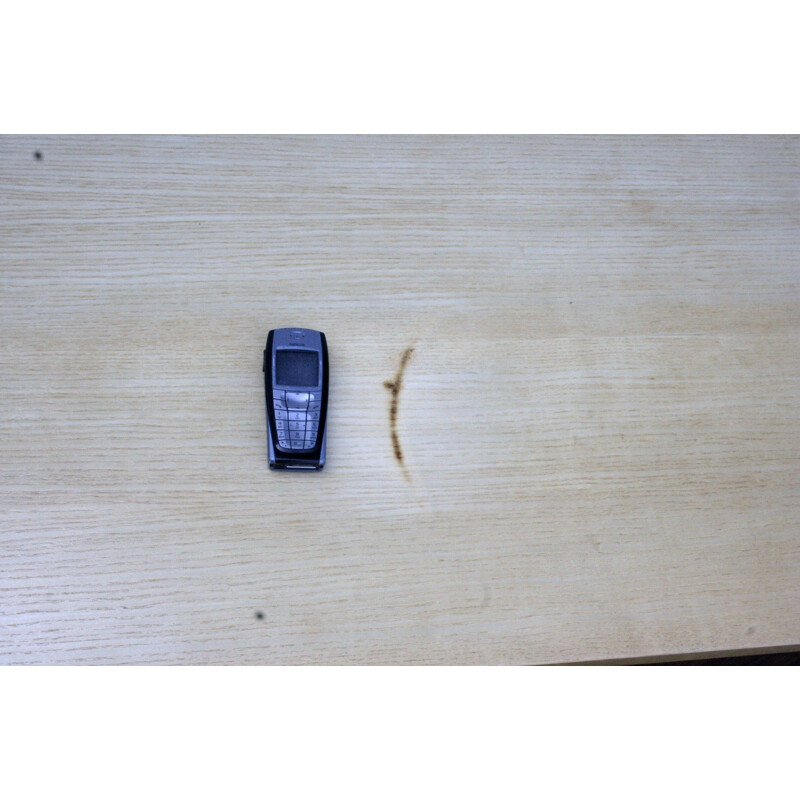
(278, 395)
(281, 424)
(297, 426)
(284, 443)
(280, 414)
(297, 416)
(313, 415)
(312, 426)
(297, 400)
(298, 445)
(314, 406)
(278, 403)
(310, 441)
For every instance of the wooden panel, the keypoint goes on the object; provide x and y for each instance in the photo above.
(599, 422)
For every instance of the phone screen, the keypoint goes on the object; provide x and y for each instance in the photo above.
(296, 368)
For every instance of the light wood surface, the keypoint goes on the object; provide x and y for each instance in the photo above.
(599, 422)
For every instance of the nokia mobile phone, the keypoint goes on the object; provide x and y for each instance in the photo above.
(296, 385)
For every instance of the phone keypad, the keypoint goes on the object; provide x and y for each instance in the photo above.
(297, 419)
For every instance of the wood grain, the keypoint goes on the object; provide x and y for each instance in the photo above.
(600, 421)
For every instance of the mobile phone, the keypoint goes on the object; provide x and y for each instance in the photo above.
(296, 385)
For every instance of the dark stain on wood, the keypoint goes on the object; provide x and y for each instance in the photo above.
(394, 386)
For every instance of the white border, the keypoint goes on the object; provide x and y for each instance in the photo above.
(396, 732)
(434, 67)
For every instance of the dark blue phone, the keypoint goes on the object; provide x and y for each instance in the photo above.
(296, 385)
